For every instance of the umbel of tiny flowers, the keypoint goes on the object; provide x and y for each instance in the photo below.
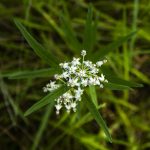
(77, 74)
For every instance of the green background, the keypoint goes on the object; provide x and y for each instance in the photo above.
(126, 113)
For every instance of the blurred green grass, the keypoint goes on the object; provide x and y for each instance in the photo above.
(126, 113)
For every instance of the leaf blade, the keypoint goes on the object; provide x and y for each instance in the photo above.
(38, 49)
(98, 117)
(32, 74)
(93, 95)
(42, 127)
(112, 77)
(112, 46)
(69, 35)
(87, 41)
(123, 82)
(49, 98)
(114, 86)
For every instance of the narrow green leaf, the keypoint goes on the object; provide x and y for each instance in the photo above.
(88, 38)
(70, 36)
(87, 117)
(47, 99)
(113, 86)
(112, 77)
(136, 10)
(113, 46)
(93, 95)
(94, 33)
(42, 127)
(38, 49)
(98, 117)
(32, 74)
(140, 75)
(123, 82)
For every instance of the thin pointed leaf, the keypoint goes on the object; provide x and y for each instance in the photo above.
(32, 74)
(112, 77)
(140, 75)
(38, 49)
(70, 36)
(93, 95)
(47, 99)
(94, 33)
(88, 38)
(123, 82)
(42, 127)
(98, 117)
(113, 86)
(113, 46)
(87, 117)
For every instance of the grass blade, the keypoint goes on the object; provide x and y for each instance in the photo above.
(105, 50)
(32, 74)
(70, 36)
(93, 95)
(141, 75)
(42, 127)
(89, 36)
(123, 82)
(134, 23)
(112, 77)
(114, 86)
(98, 117)
(38, 49)
(47, 99)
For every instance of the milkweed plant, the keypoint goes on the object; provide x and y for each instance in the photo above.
(77, 74)
(72, 78)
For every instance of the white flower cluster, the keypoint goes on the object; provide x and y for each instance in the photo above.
(76, 74)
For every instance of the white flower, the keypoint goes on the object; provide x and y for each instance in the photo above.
(77, 75)
(102, 78)
(64, 65)
(94, 70)
(75, 61)
(101, 86)
(87, 63)
(73, 105)
(67, 96)
(51, 86)
(97, 82)
(57, 112)
(58, 107)
(65, 75)
(45, 89)
(72, 69)
(84, 82)
(78, 93)
(105, 61)
(82, 73)
(106, 80)
(83, 52)
(92, 80)
(73, 82)
(56, 76)
(68, 107)
(99, 63)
